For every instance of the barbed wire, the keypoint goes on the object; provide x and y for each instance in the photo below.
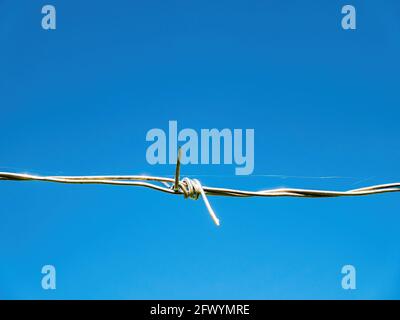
(192, 188)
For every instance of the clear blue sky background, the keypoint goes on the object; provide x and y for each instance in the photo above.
(79, 100)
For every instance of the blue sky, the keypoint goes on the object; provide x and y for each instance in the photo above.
(80, 99)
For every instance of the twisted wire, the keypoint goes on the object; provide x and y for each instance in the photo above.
(193, 189)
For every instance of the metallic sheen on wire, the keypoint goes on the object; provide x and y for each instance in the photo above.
(192, 188)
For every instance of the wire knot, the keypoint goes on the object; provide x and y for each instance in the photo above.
(191, 188)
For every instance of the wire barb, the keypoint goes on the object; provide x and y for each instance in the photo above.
(193, 189)
(178, 170)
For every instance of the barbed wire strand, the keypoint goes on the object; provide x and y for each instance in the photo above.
(192, 188)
